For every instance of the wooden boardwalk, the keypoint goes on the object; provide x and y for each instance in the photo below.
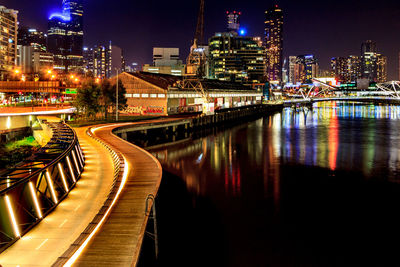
(119, 240)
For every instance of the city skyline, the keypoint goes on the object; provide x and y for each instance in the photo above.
(339, 31)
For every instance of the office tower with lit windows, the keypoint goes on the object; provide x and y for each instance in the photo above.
(292, 63)
(103, 61)
(369, 60)
(381, 72)
(233, 21)
(236, 58)
(305, 68)
(32, 37)
(373, 64)
(57, 41)
(9, 41)
(346, 69)
(65, 36)
(274, 44)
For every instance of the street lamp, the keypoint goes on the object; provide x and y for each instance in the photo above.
(116, 102)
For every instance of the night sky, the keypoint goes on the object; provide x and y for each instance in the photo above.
(326, 28)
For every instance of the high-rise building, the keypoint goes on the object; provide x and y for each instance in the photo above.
(65, 36)
(33, 61)
(369, 60)
(373, 64)
(8, 41)
(165, 61)
(32, 37)
(102, 61)
(236, 58)
(346, 69)
(166, 56)
(57, 41)
(305, 69)
(368, 47)
(381, 73)
(274, 44)
(233, 21)
(292, 63)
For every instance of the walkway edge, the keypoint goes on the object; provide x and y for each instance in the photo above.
(119, 167)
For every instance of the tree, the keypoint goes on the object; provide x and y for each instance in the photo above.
(106, 96)
(111, 94)
(87, 99)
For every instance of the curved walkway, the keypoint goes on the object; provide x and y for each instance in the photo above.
(119, 241)
(51, 237)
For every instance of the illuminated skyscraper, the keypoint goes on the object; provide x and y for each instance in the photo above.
(346, 69)
(274, 44)
(373, 64)
(32, 37)
(236, 58)
(233, 21)
(305, 69)
(368, 60)
(381, 72)
(74, 33)
(8, 33)
(65, 36)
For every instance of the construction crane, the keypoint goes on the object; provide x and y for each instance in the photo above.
(196, 61)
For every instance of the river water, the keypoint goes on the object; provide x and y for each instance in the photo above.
(303, 187)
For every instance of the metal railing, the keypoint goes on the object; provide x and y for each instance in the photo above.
(33, 188)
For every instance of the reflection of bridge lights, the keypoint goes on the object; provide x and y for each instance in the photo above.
(70, 169)
(12, 216)
(35, 200)
(60, 169)
(50, 183)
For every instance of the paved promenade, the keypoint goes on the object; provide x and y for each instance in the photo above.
(119, 241)
(51, 237)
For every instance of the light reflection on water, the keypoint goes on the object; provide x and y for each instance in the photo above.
(333, 135)
(304, 187)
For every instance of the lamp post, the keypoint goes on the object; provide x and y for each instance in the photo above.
(116, 102)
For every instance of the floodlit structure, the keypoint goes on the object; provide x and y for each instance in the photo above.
(390, 88)
(8, 33)
(274, 44)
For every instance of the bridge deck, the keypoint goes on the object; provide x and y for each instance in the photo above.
(51, 237)
(119, 241)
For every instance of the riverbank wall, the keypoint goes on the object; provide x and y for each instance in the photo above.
(185, 124)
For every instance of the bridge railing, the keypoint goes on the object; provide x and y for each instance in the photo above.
(32, 189)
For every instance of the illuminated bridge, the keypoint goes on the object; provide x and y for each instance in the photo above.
(320, 91)
(33, 189)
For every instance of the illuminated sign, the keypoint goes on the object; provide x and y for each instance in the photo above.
(71, 91)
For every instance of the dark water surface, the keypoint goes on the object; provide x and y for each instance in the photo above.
(313, 187)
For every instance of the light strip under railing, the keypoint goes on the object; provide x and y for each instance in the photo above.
(35, 201)
(52, 191)
(61, 171)
(70, 169)
(12, 215)
(76, 162)
(79, 156)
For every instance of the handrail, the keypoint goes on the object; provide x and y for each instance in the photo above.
(36, 186)
(33, 158)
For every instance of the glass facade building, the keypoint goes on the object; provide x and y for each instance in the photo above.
(274, 44)
(236, 58)
(65, 36)
(8, 39)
